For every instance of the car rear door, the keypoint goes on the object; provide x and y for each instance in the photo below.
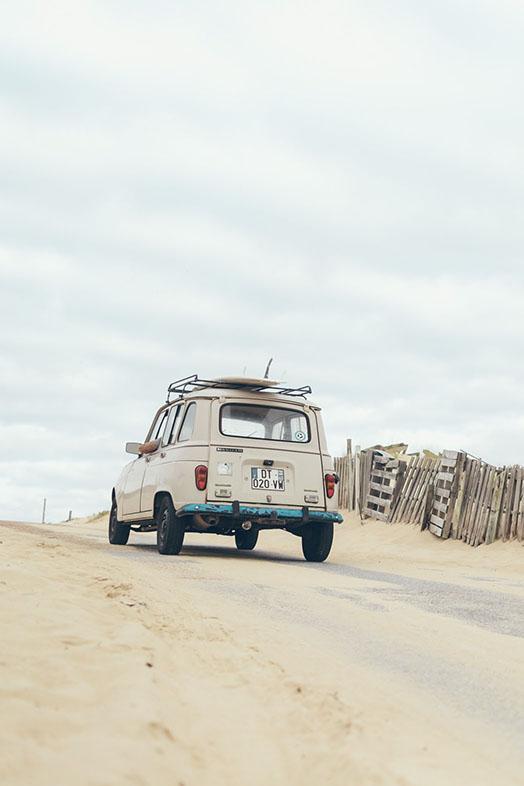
(255, 469)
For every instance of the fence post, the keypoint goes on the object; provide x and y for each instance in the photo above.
(358, 498)
(349, 474)
(43, 510)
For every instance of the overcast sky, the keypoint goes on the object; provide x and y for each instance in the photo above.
(197, 186)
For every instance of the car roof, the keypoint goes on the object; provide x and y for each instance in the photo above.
(265, 397)
(260, 389)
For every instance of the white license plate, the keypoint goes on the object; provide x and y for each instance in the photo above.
(268, 479)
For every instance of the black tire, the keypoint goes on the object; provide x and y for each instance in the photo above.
(246, 539)
(170, 529)
(118, 532)
(317, 540)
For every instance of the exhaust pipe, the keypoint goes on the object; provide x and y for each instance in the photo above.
(246, 525)
(204, 523)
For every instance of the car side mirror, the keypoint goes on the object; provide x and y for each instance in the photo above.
(133, 447)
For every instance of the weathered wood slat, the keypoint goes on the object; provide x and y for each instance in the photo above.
(358, 497)
(388, 490)
(494, 512)
(442, 506)
(520, 520)
(472, 494)
(409, 480)
(454, 495)
(446, 477)
(459, 502)
(416, 491)
(510, 490)
(425, 490)
(475, 503)
(516, 503)
(442, 495)
(435, 527)
(411, 500)
(484, 502)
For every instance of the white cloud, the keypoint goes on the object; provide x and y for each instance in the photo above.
(197, 187)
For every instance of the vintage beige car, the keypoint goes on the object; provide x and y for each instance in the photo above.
(231, 456)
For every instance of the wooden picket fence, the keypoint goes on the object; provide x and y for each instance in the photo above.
(454, 495)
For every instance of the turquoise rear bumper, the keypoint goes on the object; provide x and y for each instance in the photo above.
(257, 512)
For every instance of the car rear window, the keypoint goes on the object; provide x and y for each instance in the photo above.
(253, 421)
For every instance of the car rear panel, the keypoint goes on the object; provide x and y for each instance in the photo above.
(259, 471)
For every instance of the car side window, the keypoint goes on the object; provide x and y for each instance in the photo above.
(172, 425)
(188, 424)
(160, 425)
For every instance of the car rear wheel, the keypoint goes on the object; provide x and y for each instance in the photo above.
(170, 529)
(246, 540)
(317, 540)
(118, 533)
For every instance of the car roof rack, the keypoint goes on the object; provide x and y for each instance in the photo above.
(194, 382)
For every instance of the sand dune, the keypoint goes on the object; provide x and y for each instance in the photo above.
(123, 667)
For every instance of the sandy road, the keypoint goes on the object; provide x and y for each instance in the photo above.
(401, 660)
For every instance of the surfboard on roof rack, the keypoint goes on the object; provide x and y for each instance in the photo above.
(249, 382)
(194, 382)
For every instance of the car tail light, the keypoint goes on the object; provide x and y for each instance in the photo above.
(201, 477)
(330, 481)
